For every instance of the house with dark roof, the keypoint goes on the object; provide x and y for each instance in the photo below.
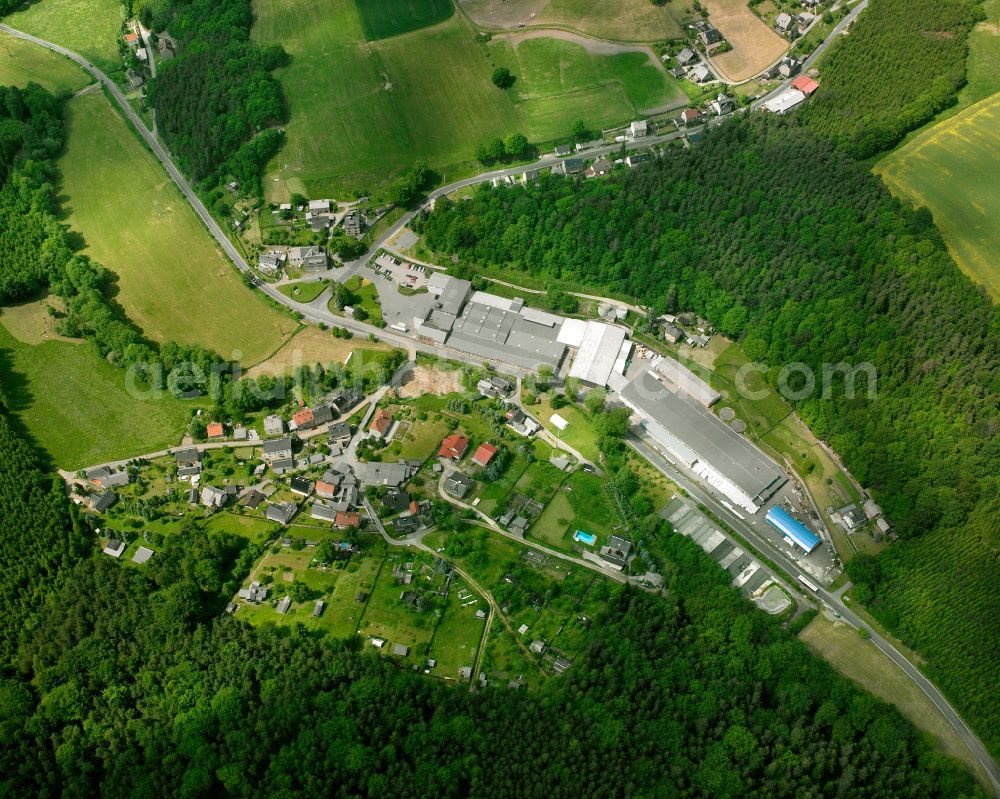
(278, 449)
(312, 259)
(103, 501)
(252, 499)
(324, 512)
(458, 485)
(105, 477)
(345, 399)
(301, 486)
(212, 497)
(281, 512)
(340, 432)
(114, 548)
(187, 457)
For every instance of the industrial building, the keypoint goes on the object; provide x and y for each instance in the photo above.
(794, 531)
(602, 350)
(691, 435)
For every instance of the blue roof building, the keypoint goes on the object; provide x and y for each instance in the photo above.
(793, 529)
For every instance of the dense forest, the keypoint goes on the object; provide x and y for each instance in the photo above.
(900, 65)
(216, 102)
(130, 683)
(811, 261)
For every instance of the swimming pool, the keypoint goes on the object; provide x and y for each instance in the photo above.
(585, 538)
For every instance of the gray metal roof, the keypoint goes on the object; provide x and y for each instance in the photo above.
(505, 336)
(698, 429)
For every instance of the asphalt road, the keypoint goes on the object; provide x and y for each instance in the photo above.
(831, 600)
(409, 344)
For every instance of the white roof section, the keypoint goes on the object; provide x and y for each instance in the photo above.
(622, 361)
(540, 317)
(785, 101)
(558, 422)
(595, 360)
(492, 300)
(678, 377)
(572, 332)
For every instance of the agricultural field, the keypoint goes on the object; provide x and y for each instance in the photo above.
(88, 27)
(860, 661)
(943, 169)
(22, 62)
(560, 80)
(616, 20)
(381, 19)
(362, 112)
(755, 45)
(78, 406)
(173, 281)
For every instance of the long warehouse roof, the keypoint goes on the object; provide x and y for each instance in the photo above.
(595, 360)
(788, 525)
(699, 430)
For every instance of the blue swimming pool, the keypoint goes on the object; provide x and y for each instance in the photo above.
(585, 538)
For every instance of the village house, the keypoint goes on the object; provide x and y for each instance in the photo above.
(484, 454)
(344, 520)
(602, 166)
(281, 512)
(459, 485)
(274, 425)
(312, 259)
(638, 129)
(301, 486)
(453, 447)
(215, 430)
(722, 104)
(213, 498)
(699, 74)
(783, 22)
(686, 56)
(688, 117)
(271, 263)
(380, 424)
(104, 477)
(278, 449)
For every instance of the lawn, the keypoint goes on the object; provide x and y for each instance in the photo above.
(619, 20)
(304, 291)
(943, 168)
(366, 295)
(385, 615)
(861, 662)
(89, 27)
(381, 19)
(578, 433)
(422, 440)
(560, 81)
(22, 62)
(174, 282)
(77, 405)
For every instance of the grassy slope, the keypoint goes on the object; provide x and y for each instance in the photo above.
(383, 18)
(347, 133)
(174, 283)
(90, 27)
(942, 166)
(77, 406)
(22, 62)
(559, 82)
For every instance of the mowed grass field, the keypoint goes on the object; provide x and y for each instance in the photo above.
(363, 111)
(173, 280)
(560, 81)
(22, 62)
(89, 27)
(618, 20)
(381, 19)
(755, 45)
(77, 406)
(947, 168)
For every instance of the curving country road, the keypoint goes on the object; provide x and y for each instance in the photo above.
(321, 315)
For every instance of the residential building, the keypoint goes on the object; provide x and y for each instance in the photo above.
(616, 552)
(688, 117)
(344, 519)
(602, 166)
(105, 477)
(783, 22)
(459, 485)
(789, 66)
(484, 454)
(709, 36)
(271, 263)
(700, 73)
(103, 501)
(380, 424)
(686, 56)
(312, 259)
(323, 512)
(722, 104)
(212, 497)
(278, 449)
(114, 548)
(453, 447)
(188, 457)
(376, 473)
(633, 160)
(303, 420)
(281, 512)
(274, 425)
(344, 400)
(563, 149)
(301, 486)
(672, 334)
(283, 606)
(254, 593)
(571, 166)
(805, 84)
(215, 430)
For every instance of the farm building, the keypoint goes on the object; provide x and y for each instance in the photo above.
(792, 529)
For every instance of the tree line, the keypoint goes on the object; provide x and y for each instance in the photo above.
(217, 103)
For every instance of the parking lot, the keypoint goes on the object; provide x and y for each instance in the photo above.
(403, 273)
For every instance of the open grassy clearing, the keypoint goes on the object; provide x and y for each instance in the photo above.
(618, 20)
(458, 634)
(861, 662)
(755, 45)
(578, 433)
(383, 18)
(78, 407)
(561, 81)
(22, 62)
(943, 169)
(580, 504)
(310, 346)
(174, 283)
(89, 27)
